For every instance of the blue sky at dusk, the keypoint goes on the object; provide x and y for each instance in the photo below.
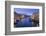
(25, 11)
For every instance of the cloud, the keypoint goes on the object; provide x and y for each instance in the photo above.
(25, 11)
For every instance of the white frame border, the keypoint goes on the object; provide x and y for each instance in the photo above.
(26, 28)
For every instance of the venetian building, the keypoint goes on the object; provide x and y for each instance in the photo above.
(35, 16)
(35, 19)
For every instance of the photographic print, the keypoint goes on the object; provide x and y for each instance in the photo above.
(26, 17)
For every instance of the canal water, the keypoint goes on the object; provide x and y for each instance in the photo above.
(26, 22)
